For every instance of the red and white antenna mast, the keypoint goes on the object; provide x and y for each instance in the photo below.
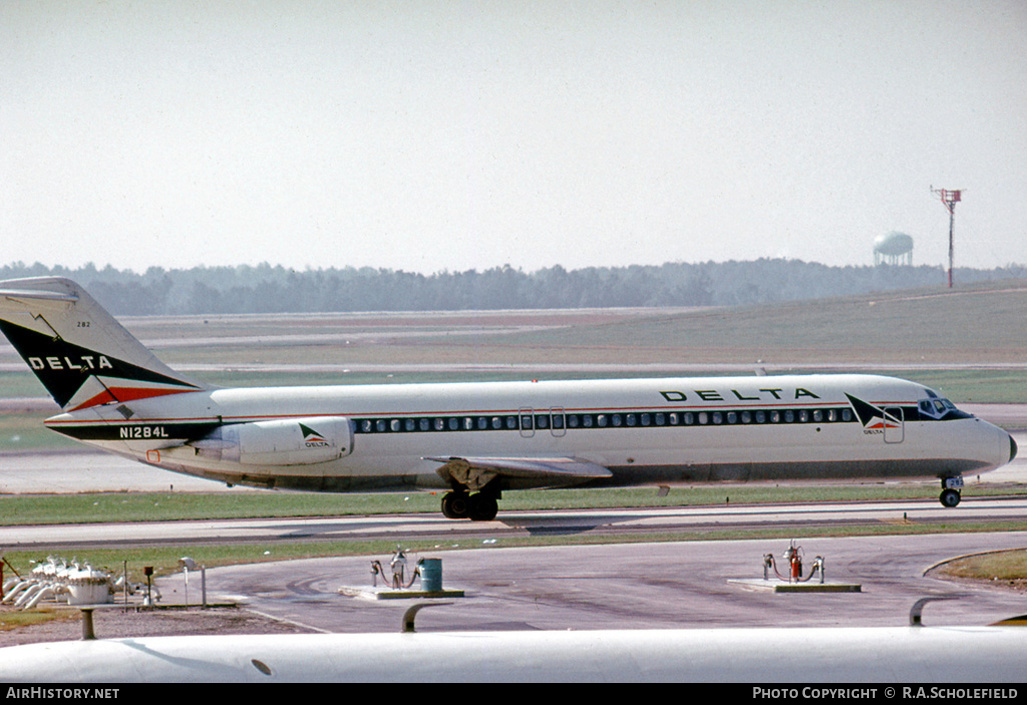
(949, 199)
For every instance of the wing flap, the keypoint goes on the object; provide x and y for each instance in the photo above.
(476, 472)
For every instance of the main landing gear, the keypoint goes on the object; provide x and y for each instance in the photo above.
(480, 506)
(951, 488)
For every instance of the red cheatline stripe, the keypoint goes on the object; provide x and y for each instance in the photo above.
(127, 394)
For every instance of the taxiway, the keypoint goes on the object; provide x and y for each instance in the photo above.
(626, 586)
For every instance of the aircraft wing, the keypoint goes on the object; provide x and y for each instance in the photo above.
(475, 473)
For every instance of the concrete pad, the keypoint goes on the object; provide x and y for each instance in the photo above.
(780, 586)
(375, 593)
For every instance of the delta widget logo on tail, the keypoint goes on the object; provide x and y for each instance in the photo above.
(78, 377)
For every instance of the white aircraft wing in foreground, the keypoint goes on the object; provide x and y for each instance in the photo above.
(846, 656)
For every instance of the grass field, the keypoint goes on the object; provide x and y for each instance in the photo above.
(971, 325)
(173, 506)
(1007, 568)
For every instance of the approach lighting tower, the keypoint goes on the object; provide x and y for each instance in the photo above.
(950, 199)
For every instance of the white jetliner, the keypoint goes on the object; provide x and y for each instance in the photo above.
(479, 439)
(838, 655)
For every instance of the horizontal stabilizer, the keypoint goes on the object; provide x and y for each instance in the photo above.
(38, 295)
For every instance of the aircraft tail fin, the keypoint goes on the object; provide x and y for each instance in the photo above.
(80, 353)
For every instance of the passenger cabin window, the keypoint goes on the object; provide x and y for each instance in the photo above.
(557, 420)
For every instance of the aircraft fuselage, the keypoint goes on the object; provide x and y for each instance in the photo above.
(643, 430)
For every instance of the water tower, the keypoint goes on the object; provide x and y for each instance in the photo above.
(893, 248)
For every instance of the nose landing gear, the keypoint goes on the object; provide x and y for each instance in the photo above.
(951, 491)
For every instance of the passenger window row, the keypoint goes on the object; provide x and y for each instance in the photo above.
(514, 422)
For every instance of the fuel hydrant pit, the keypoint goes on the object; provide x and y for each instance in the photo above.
(374, 593)
(397, 586)
(791, 579)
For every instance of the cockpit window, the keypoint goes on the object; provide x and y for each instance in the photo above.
(939, 407)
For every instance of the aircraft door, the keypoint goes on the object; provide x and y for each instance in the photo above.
(894, 426)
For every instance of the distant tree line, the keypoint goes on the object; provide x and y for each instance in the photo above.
(276, 289)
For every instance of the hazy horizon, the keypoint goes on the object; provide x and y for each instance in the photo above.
(307, 268)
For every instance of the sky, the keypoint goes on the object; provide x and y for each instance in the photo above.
(433, 136)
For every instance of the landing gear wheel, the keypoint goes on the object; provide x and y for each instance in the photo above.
(480, 506)
(950, 498)
(456, 505)
(483, 507)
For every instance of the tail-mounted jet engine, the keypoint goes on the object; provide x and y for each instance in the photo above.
(302, 441)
